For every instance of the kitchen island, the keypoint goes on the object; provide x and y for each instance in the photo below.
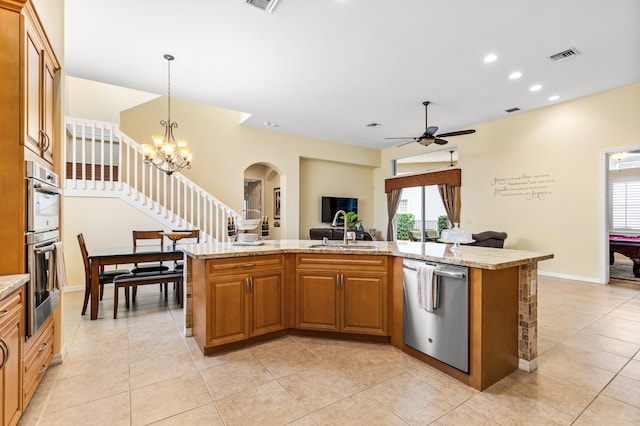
(241, 294)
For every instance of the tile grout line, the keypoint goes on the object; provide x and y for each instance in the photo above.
(605, 387)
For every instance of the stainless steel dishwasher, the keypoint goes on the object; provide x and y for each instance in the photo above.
(444, 333)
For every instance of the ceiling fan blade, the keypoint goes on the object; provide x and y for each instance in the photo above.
(406, 143)
(431, 130)
(440, 141)
(458, 133)
(408, 137)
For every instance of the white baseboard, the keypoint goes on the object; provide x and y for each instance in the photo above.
(571, 277)
(528, 366)
(59, 357)
(73, 289)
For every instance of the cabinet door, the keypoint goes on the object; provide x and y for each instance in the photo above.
(267, 302)
(10, 383)
(227, 316)
(364, 303)
(39, 97)
(48, 108)
(33, 138)
(317, 300)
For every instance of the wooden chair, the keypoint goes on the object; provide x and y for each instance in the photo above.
(105, 276)
(157, 239)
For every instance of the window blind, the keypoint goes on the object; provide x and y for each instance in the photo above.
(625, 205)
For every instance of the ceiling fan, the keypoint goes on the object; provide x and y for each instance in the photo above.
(429, 136)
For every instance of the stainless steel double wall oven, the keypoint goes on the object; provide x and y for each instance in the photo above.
(42, 232)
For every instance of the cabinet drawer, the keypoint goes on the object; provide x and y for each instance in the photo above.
(37, 360)
(243, 264)
(342, 261)
(10, 305)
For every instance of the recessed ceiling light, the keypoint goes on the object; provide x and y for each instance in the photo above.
(515, 75)
(554, 98)
(270, 124)
(535, 87)
(490, 58)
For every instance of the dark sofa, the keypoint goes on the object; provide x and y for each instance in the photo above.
(336, 234)
(489, 239)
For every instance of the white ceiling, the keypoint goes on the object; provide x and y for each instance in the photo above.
(326, 68)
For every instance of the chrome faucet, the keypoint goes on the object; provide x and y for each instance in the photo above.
(335, 223)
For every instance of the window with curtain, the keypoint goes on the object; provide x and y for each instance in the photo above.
(420, 204)
(625, 205)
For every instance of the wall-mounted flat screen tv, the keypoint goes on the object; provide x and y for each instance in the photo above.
(330, 205)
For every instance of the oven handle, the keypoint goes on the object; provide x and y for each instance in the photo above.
(45, 249)
(44, 187)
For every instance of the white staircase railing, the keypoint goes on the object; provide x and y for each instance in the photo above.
(103, 161)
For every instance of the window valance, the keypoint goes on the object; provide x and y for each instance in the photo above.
(450, 177)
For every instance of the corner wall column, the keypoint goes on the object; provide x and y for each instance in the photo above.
(528, 317)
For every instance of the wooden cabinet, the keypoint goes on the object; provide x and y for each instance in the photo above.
(11, 338)
(40, 66)
(27, 114)
(37, 359)
(346, 294)
(244, 298)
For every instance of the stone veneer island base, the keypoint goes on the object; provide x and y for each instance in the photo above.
(239, 295)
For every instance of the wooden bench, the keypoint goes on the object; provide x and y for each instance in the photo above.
(143, 278)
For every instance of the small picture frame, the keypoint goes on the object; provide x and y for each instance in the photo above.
(276, 203)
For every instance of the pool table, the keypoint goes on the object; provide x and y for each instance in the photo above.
(628, 246)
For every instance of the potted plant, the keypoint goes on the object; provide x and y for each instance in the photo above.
(352, 221)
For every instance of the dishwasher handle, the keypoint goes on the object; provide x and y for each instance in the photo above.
(442, 272)
(450, 274)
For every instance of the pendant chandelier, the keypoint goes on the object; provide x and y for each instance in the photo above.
(166, 154)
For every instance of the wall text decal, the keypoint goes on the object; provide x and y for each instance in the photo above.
(528, 187)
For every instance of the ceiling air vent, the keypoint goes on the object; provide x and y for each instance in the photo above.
(565, 54)
(266, 5)
(510, 110)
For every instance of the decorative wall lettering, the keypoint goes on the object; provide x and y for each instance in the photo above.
(525, 186)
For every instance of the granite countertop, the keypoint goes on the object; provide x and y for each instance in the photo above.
(472, 256)
(9, 283)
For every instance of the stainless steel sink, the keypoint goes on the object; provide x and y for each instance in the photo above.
(345, 247)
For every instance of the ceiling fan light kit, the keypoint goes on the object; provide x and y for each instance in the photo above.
(429, 136)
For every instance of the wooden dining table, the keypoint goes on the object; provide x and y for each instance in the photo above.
(121, 256)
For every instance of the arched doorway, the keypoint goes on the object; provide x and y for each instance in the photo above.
(263, 192)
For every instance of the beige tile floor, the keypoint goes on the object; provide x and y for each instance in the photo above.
(139, 370)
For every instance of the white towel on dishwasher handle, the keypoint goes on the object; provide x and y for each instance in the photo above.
(426, 286)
